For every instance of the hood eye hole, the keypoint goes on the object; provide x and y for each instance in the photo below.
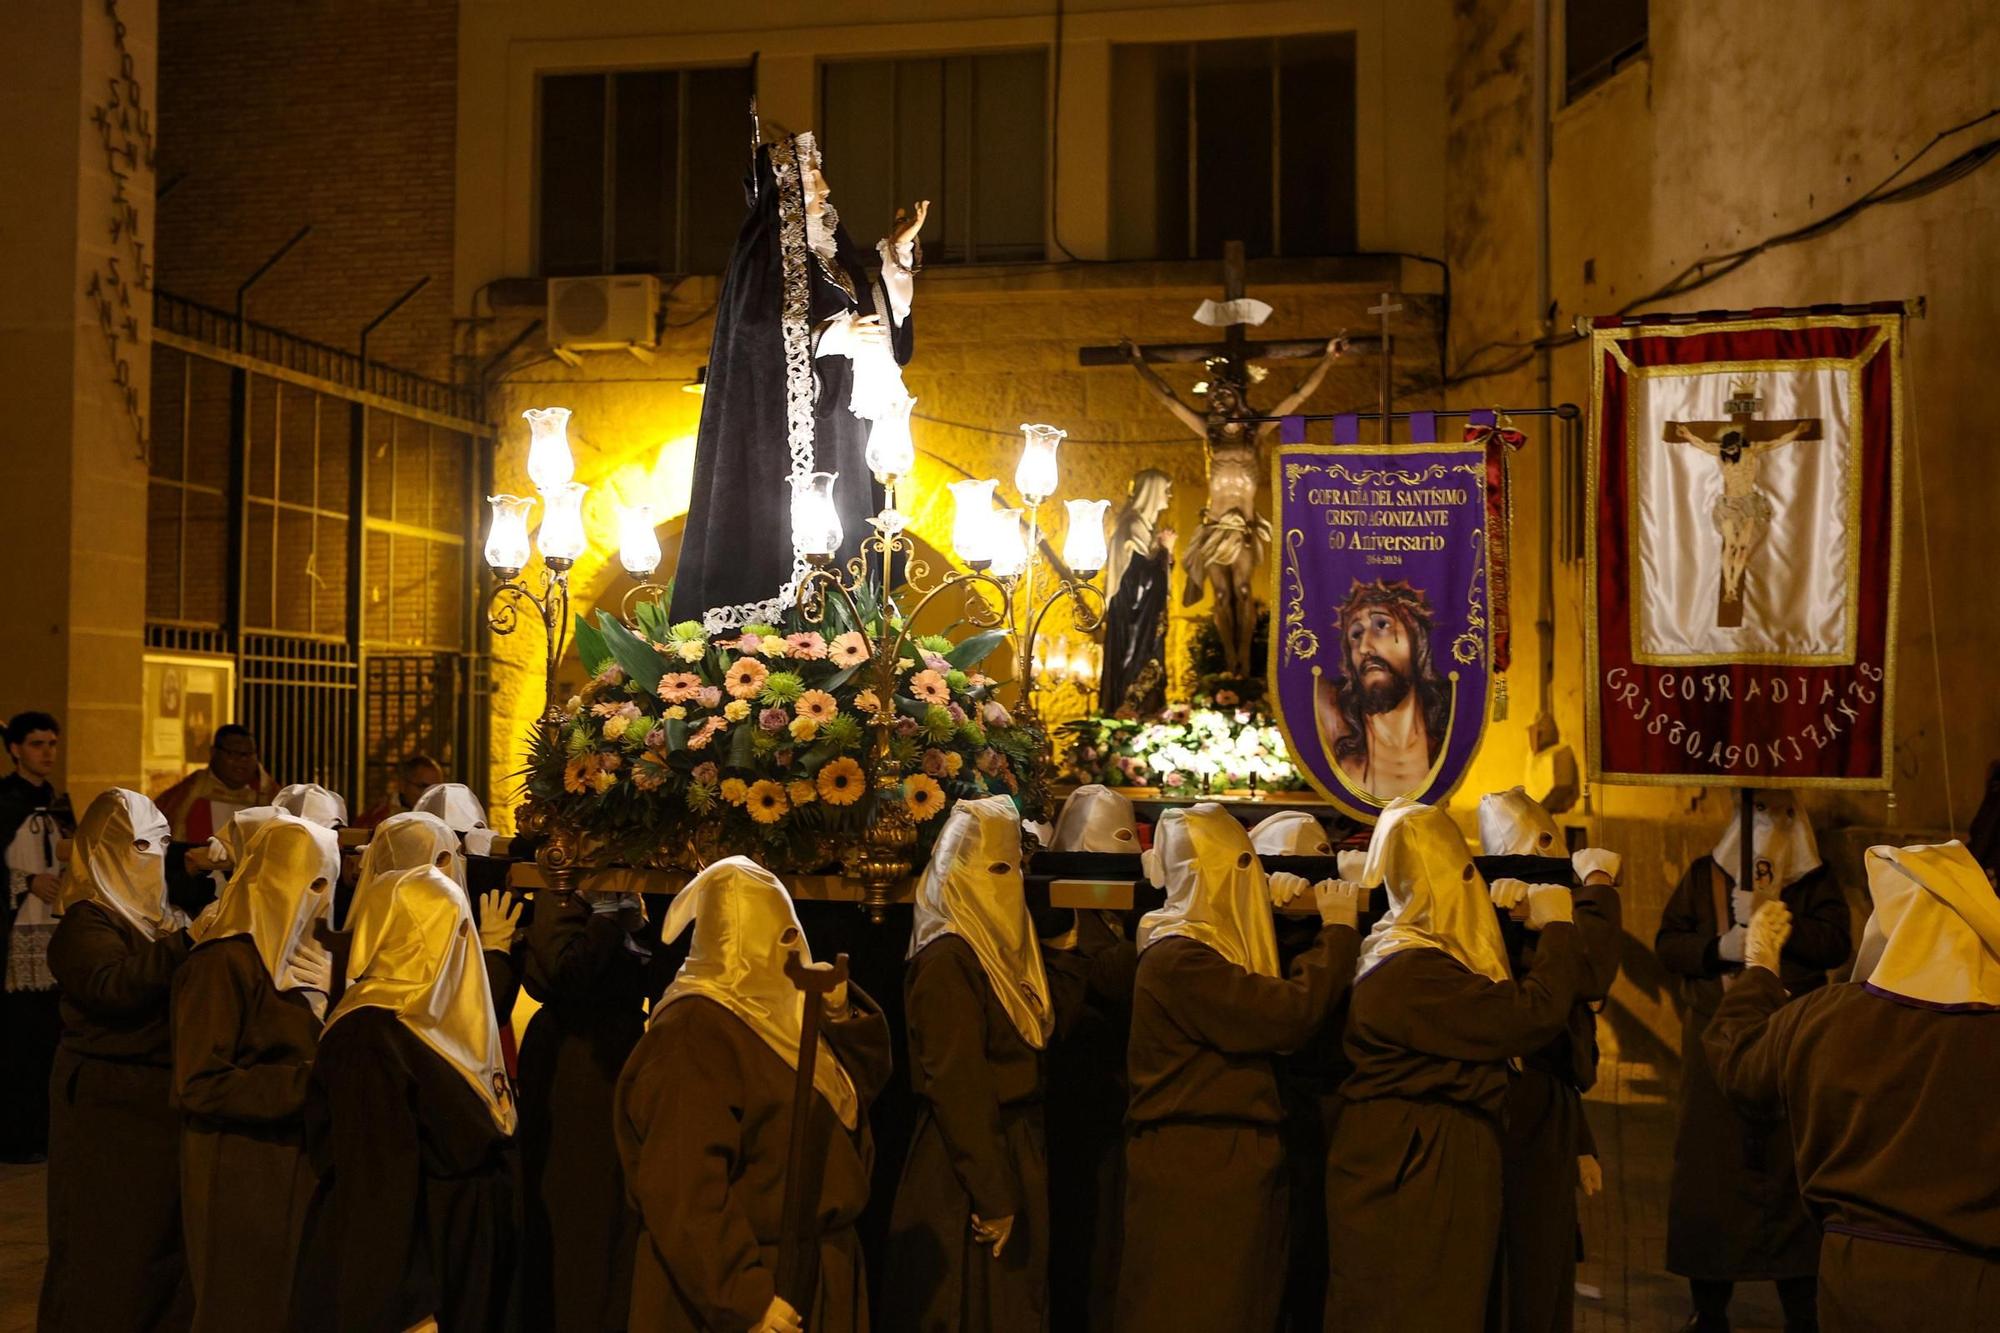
(789, 937)
(1243, 860)
(1123, 835)
(1467, 874)
(1544, 839)
(999, 868)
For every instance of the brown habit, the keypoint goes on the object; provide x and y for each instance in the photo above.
(1898, 1150)
(242, 1053)
(1544, 1132)
(1205, 1185)
(1413, 1174)
(1733, 1211)
(703, 1128)
(978, 1148)
(114, 1140)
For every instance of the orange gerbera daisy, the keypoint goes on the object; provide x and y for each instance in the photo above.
(746, 678)
(766, 801)
(850, 649)
(841, 782)
(923, 796)
(817, 705)
(929, 686)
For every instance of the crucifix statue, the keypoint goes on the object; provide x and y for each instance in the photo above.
(1742, 512)
(1233, 537)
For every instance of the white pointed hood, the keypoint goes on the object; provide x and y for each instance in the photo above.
(1437, 898)
(1935, 933)
(1096, 819)
(405, 842)
(1783, 837)
(744, 928)
(1291, 833)
(1216, 890)
(454, 803)
(281, 890)
(119, 860)
(313, 803)
(1513, 823)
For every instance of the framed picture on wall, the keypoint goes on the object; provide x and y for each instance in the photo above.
(187, 696)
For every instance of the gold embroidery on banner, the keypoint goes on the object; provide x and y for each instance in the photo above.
(1607, 342)
(1301, 644)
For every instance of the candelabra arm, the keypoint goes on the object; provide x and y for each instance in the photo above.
(645, 587)
(1086, 618)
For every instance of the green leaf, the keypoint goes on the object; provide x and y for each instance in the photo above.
(652, 617)
(677, 734)
(976, 649)
(742, 739)
(642, 665)
(591, 649)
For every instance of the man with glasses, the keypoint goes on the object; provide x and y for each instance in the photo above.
(202, 803)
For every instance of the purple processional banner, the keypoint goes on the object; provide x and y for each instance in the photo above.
(1381, 659)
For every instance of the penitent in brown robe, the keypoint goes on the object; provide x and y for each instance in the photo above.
(1898, 1152)
(703, 1127)
(1413, 1173)
(115, 1259)
(1733, 1211)
(1205, 1179)
(243, 1052)
(979, 1148)
(1544, 1128)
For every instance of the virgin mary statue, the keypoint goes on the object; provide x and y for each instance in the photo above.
(810, 336)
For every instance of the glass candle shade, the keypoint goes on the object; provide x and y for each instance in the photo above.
(638, 543)
(549, 462)
(1083, 543)
(561, 537)
(1035, 474)
(815, 519)
(972, 518)
(1055, 662)
(891, 451)
(507, 534)
(1006, 547)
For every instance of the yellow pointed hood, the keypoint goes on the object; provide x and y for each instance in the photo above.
(1437, 899)
(280, 890)
(1216, 890)
(744, 928)
(1935, 933)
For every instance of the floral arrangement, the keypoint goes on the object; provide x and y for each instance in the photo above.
(1187, 752)
(1208, 680)
(682, 747)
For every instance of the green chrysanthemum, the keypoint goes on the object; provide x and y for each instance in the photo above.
(763, 742)
(578, 741)
(687, 631)
(903, 750)
(782, 688)
(935, 643)
(843, 731)
(938, 723)
(700, 797)
(761, 631)
(957, 681)
(972, 734)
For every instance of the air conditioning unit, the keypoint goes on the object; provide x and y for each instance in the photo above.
(612, 313)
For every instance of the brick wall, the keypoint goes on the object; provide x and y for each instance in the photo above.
(340, 113)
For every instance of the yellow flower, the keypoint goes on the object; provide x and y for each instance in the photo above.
(736, 709)
(766, 801)
(923, 796)
(953, 762)
(774, 645)
(677, 713)
(817, 705)
(602, 780)
(614, 726)
(746, 678)
(802, 791)
(841, 782)
(691, 650)
(804, 728)
(735, 790)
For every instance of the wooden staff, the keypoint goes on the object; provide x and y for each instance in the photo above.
(798, 1241)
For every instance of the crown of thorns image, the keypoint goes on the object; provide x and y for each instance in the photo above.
(1397, 597)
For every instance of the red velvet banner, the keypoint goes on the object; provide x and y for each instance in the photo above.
(1744, 551)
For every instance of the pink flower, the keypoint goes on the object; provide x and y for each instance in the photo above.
(806, 647)
(936, 663)
(782, 758)
(907, 726)
(957, 713)
(706, 773)
(934, 763)
(612, 674)
(710, 696)
(995, 714)
(991, 762)
(656, 739)
(1173, 778)
(773, 719)
(679, 687)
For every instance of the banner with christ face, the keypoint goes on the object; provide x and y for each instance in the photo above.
(1382, 642)
(1744, 548)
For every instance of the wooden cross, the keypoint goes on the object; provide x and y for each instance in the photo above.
(1755, 436)
(1385, 394)
(1236, 343)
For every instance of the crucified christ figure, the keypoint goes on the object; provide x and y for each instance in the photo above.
(1232, 538)
(1741, 511)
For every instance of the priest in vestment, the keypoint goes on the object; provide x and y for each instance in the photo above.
(969, 1238)
(114, 1184)
(410, 1124)
(704, 1120)
(247, 1008)
(1205, 1208)
(1885, 1080)
(810, 332)
(1413, 1173)
(200, 804)
(1733, 1209)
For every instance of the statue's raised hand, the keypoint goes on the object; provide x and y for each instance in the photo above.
(909, 222)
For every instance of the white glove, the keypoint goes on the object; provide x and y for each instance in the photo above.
(848, 334)
(1510, 896)
(779, 1317)
(499, 913)
(1339, 902)
(1729, 947)
(1742, 903)
(1285, 886)
(994, 1233)
(1769, 930)
(1152, 868)
(1548, 904)
(310, 967)
(218, 855)
(1596, 861)
(1351, 864)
